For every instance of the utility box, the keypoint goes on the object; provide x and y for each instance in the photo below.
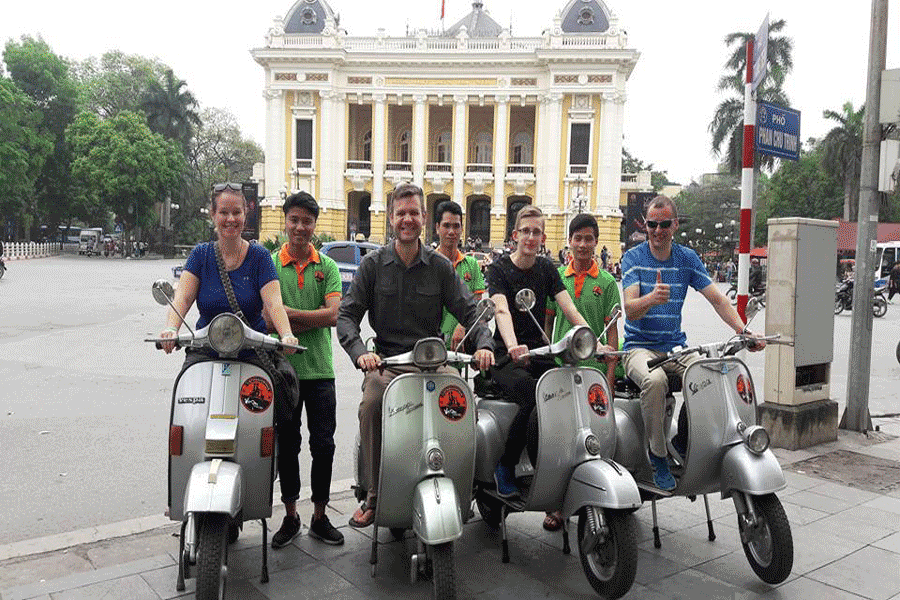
(798, 411)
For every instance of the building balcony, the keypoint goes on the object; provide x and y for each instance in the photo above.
(479, 168)
(438, 167)
(634, 182)
(578, 169)
(359, 165)
(517, 169)
(304, 164)
(402, 167)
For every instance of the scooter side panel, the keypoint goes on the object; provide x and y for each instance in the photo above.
(221, 496)
(597, 483)
(254, 416)
(190, 408)
(406, 399)
(754, 474)
(494, 420)
(743, 392)
(437, 517)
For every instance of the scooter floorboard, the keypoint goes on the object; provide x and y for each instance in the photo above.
(649, 491)
(516, 504)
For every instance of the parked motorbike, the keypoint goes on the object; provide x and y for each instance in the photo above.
(221, 447)
(2, 268)
(843, 298)
(571, 470)
(427, 458)
(726, 451)
(758, 294)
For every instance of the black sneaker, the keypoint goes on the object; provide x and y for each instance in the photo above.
(290, 527)
(324, 531)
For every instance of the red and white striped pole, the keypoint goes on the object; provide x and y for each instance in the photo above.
(746, 187)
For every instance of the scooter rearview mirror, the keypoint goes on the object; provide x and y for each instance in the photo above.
(163, 291)
(613, 317)
(752, 309)
(485, 310)
(525, 300)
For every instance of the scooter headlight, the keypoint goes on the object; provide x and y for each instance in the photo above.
(429, 352)
(757, 439)
(592, 445)
(582, 344)
(435, 459)
(226, 334)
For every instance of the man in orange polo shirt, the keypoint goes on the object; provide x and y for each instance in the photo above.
(448, 225)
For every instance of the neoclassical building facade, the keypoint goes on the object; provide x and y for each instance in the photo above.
(471, 114)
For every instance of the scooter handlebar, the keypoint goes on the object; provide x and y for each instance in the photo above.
(652, 364)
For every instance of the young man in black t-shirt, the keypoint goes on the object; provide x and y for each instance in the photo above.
(516, 332)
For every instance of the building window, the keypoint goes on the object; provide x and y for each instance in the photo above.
(522, 148)
(403, 146)
(367, 146)
(579, 143)
(304, 140)
(443, 146)
(483, 148)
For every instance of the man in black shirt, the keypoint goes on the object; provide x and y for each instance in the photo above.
(516, 332)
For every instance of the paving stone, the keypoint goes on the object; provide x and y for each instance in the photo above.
(801, 515)
(117, 551)
(162, 581)
(247, 563)
(803, 587)
(653, 566)
(869, 572)
(885, 503)
(800, 481)
(691, 547)
(302, 584)
(694, 584)
(46, 567)
(354, 541)
(126, 588)
(816, 546)
(845, 493)
(891, 543)
(733, 568)
(810, 499)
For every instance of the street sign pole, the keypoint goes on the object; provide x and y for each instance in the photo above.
(746, 187)
(856, 415)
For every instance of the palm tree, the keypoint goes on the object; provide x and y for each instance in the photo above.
(843, 153)
(727, 124)
(171, 108)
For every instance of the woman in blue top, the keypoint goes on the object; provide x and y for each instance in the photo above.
(249, 266)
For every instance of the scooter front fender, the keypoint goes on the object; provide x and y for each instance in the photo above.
(436, 514)
(754, 474)
(598, 483)
(214, 488)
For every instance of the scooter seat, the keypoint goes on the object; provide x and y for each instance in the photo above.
(626, 388)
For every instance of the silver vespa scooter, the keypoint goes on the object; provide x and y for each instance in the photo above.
(727, 451)
(573, 472)
(427, 457)
(221, 447)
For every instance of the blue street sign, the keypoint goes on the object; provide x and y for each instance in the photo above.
(778, 131)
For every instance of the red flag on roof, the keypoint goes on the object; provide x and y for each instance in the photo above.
(442, 10)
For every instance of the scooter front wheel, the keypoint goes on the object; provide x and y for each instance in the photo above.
(443, 578)
(879, 306)
(212, 557)
(770, 546)
(838, 306)
(610, 566)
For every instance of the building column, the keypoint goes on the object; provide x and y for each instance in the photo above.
(378, 140)
(339, 150)
(549, 139)
(609, 178)
(501, 148)
(324, 150)
(275, 146)
(459, 148)
(419, 148)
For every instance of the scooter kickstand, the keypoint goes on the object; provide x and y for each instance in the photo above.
(504, 543)
(565, 533)
(179, 583)
(656, 541)
(373, 558)
(265, 550)
(712, 534)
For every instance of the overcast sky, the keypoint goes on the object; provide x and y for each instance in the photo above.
(671, 93)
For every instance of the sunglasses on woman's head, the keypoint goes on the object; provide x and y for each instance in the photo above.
(661, 224)
(221, 187)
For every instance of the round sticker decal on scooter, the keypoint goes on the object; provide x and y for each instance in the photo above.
(256, 394)
(452, 402)
(598, 400)
(743, 390)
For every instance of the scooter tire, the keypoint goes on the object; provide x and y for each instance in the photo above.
(773, 557)
(610, 567)
(732, 295)
(2, 271)
(898, 352)
(443, 577)
(212, 556)
(838, 306)
(879, 306)
(489, 508)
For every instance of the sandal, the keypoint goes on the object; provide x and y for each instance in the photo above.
(553, 521)
(363, 516)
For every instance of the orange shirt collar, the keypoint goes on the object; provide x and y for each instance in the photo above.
(580, 276)
(458, 259)
(287, 259)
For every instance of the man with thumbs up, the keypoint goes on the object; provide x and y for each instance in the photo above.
(655, 278)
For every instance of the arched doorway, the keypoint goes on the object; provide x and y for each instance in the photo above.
(359, 217)
(430, 205)
(514, 205)
(479, 219)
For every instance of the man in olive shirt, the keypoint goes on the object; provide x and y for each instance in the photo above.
(311, 292)
(404, 286)
(449, 228)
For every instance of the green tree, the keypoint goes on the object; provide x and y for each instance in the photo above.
(171, 109)
(121, 165)
(631, 164)
(843, 153)
(23, 150)
(45, 78)
(716, 200)
(727, 125)
(116, 81)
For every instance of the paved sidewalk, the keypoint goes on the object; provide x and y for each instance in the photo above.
(846, 542)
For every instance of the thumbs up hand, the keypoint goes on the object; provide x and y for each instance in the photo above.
(660, 293)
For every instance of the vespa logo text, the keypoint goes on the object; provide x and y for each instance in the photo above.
(407, 408)
(694, 387)
(191, 400)
(557, 395)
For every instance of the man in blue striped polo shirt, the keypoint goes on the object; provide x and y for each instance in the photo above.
(655, 278)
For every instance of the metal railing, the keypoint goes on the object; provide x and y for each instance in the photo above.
(578, 169)
(304, 163)
(479, 168)
(439, 167)
(359, 165)
(17, 250)
(398, 166)
(520, 168)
